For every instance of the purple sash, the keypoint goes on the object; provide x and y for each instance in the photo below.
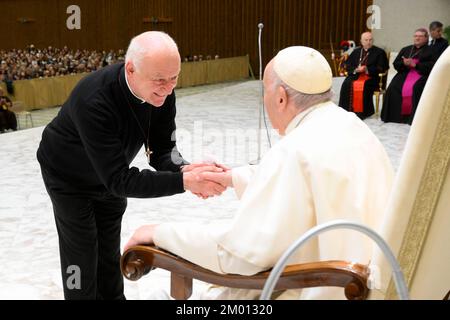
(407, 91)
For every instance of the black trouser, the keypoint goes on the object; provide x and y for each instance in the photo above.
(89, 242)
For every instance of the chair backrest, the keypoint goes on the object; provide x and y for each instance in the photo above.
(418, 219)
(391, 72)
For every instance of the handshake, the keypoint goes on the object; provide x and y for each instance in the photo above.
(206, 180)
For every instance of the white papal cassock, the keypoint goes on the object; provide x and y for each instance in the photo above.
(328, 166)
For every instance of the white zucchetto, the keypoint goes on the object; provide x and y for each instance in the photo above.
(303, 69)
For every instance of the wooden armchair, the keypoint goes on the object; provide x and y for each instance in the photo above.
(140, 260)
(380, 91)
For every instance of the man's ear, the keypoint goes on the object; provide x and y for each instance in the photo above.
(129, 67)
(281, 98)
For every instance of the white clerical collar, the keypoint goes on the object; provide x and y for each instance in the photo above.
(129, 88)
(301, 116)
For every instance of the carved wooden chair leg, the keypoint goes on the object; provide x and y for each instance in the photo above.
(377, 102)
(180, 286)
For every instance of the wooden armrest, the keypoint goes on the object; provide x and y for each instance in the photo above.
(139, 260)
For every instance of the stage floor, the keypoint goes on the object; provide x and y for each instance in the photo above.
(221, 121)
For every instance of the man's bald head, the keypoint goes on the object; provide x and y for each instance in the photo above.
(367, 40)
(150, 44)
(152, 66)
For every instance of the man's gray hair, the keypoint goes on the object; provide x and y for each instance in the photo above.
(436, 24)
(138, 49)
(301, 100)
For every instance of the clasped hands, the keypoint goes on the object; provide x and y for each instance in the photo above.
(361, 69)
(206, 180)
(409, 62)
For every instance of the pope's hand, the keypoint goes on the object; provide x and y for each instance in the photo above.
(143, 235)
(194, 182)
(223, 178)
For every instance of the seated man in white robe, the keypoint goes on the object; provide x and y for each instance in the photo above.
(329, 165)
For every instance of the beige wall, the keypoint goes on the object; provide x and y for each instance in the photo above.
(399, 19)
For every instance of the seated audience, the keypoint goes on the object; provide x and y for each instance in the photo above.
(33, 63)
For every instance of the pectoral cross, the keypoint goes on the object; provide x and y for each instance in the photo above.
(148, 153)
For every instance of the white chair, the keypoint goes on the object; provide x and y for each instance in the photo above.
(385, 80)
(418, 222)
(391, 72)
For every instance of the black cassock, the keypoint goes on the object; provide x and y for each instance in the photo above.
(392, 104)
(376, 63)
(437, 47)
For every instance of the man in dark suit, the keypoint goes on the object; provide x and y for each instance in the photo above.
(438, 44)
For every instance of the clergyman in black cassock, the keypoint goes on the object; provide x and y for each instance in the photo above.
(86, 152)
(437, 47)
(393, 104)
(376, 62)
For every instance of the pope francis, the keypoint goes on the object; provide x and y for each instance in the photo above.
(328, 166)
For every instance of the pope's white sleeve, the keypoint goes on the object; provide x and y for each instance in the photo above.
(241, 177)
(193, 242)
